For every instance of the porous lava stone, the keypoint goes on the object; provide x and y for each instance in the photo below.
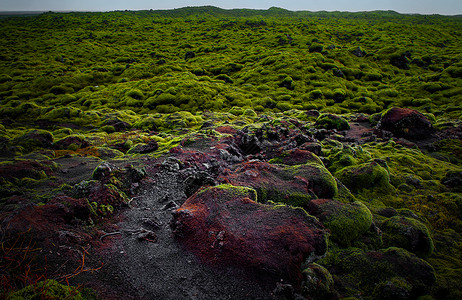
(224, 225)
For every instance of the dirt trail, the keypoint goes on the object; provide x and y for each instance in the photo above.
(162, 269)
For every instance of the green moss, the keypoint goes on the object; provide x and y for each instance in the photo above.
(329, 121)
(108, 129)
(322, 181)
(365, 176)
(317, 282)
(347, 221)
(63, 114)
(346, 155)
(135, 94)
(237, 111)
(409, 234)
(360, 272)
(48, 289)
(233, 191)
(250, 113)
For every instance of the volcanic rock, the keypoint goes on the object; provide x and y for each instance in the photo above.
(71, 142)
(35, 139)
(405, 122)
(293, 185)
(224, 225)
(143, 148)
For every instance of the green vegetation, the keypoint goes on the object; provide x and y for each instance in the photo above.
(119, 85)
(51, 289)
(347, 222)
(67, 65)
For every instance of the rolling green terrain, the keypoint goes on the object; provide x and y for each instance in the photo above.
(116, 81)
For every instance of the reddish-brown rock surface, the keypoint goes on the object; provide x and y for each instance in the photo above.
(407, 123)
(224, 225)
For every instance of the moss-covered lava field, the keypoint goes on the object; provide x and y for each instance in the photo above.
(202, 153)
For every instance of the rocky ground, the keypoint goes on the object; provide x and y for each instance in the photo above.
(278, 208)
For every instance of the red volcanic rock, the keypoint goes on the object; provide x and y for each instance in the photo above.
(26, 168)
(50, 221)
(224, 225)
(76, 141)
(405, 122)
(226, 129)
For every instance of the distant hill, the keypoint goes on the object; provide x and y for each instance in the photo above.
(245, 12)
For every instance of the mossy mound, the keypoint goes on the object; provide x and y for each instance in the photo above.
(293, 185)
(318, 283)
(371, 273)
(35, 139)
(329, 121)
(296, 157)
(72, 142)
(346, 221)
(407, 233)
(346, 155)
(365, 176)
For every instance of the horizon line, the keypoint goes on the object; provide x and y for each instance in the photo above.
(4, 12)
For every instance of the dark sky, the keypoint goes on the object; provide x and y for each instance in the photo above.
(445, 7)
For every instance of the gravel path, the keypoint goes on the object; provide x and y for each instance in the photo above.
(150, 262)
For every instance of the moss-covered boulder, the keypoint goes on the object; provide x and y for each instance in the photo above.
(394, 288)
(35, 139)
(102, 197)
(293, 185)
(371, 175)
(296, 157)
(346, 221)
(392, 271)
(407, 233)
(14, 170)
(318, 283)
(104, 170)
(72, 142)
(346, 155)
(330, 121)
(142, 148)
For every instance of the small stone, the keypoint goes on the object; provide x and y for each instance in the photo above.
(170, 205)
(154, 223)
(147, 235)
(103, 170)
